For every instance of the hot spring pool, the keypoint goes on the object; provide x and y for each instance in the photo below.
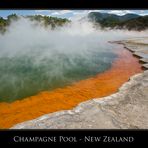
(34, 58)
(27, 74)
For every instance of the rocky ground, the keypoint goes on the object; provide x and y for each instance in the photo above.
(126, 109)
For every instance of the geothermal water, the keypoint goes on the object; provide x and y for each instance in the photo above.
(34, 58)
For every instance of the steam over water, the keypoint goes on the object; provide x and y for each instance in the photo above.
(34, 58)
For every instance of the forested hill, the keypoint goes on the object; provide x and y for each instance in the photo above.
(46, 20)
(127, 21)
(105, 20)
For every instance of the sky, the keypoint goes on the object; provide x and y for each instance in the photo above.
(70, 14)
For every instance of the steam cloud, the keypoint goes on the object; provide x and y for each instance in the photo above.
(34, 58)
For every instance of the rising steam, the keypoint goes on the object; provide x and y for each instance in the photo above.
(34, 58)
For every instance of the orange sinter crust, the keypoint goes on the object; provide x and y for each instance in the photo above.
(104, 84)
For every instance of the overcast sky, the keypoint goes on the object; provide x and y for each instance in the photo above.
(68, 13)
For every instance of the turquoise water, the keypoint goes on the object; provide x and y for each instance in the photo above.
(27, 74)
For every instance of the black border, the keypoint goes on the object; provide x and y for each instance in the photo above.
(140, 136)
(73, 4)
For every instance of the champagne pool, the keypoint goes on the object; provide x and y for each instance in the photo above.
(26, 74)
(76, 91)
